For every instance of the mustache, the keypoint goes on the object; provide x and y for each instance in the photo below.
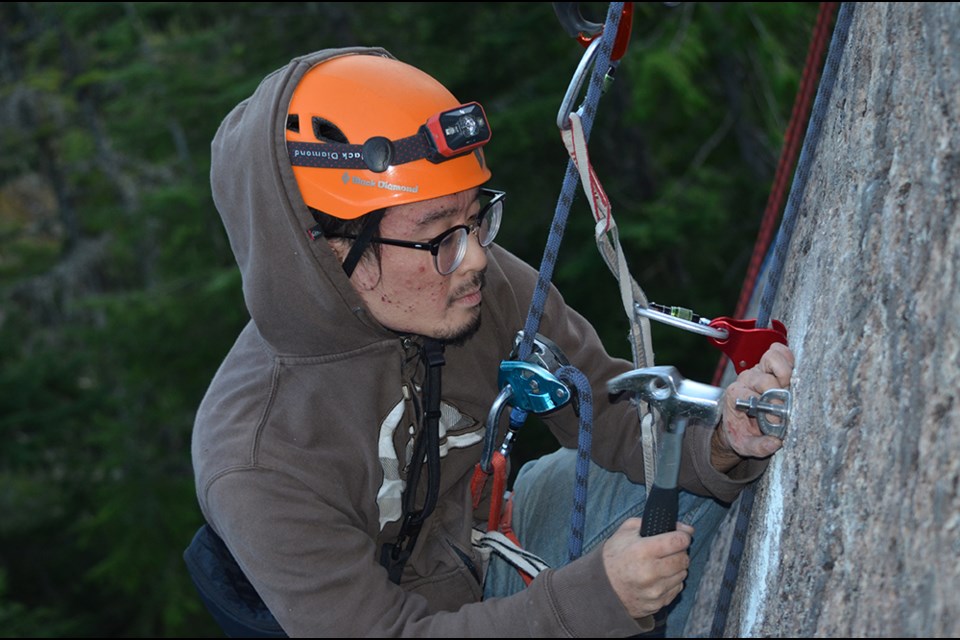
(479, 281)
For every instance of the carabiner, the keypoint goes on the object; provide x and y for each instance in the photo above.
(740, 340)
(576, 26)
(681, 318)
(576, 82)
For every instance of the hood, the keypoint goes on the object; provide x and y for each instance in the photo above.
(294, 287)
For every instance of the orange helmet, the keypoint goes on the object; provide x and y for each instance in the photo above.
(399, 136)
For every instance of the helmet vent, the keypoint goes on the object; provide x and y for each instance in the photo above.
(293, 123)
(326, 131)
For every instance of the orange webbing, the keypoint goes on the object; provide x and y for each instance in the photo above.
(498, 467)
(499, 464)
(476, 484)
(500, 517)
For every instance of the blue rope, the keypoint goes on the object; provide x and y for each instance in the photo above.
(571, 180)
(578, 518)
(782, 245)
(814, 129)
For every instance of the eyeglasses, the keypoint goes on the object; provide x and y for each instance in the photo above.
(450, 247)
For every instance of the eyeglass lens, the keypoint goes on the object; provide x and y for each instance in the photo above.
(453, 248)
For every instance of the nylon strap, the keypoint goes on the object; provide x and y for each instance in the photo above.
(508, 548)
(362, 242)
(608, 243)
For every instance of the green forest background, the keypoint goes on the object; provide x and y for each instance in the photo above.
(120, 295)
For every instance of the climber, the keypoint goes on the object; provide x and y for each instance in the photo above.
(354, 191)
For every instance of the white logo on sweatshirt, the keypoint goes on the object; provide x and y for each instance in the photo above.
(390, 495)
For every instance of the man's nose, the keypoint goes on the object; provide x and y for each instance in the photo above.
(476, 257)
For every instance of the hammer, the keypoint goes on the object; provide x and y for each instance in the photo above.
(678, 401)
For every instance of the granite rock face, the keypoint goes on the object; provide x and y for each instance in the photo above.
(855, 529)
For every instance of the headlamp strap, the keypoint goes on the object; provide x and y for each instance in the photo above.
(448, 134)
(376, 154)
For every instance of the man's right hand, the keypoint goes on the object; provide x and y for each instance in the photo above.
(647, 573)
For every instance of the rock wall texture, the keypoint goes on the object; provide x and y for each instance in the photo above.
(855, 530)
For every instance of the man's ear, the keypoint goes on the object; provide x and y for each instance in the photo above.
(337, 246)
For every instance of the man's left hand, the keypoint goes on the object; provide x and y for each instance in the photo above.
(739, 432)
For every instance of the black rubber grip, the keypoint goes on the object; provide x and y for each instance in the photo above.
(660, 512)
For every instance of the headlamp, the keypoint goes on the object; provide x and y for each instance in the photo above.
(446, 135)
(458, 130)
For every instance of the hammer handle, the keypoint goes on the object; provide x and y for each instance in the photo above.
(660, 512)
(659, 516)
(661, 508)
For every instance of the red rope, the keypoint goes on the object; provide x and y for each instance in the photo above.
(788, 159)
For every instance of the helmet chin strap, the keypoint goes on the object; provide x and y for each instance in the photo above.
(362, 242)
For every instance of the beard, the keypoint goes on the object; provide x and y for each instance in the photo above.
(459, 335)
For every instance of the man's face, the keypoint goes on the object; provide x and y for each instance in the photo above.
(406, 293)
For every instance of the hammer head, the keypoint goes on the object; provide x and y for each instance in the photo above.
(671, 394)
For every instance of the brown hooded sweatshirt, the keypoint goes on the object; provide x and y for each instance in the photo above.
(297, 441)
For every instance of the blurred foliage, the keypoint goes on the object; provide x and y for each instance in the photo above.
(120, 294)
